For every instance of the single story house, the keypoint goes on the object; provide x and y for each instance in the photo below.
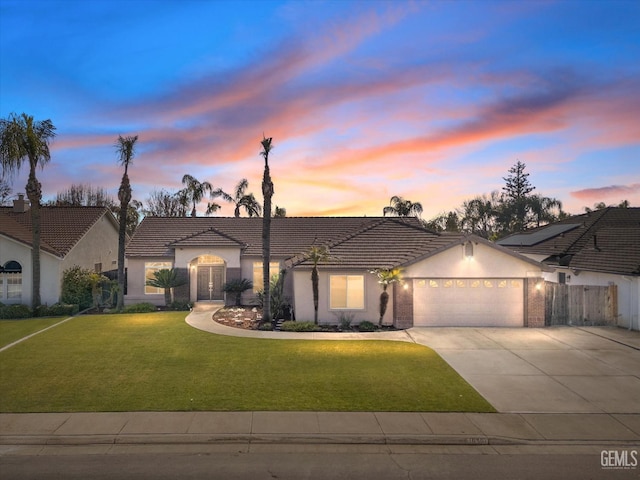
(70, 236)
(598, 248)
(448, 279)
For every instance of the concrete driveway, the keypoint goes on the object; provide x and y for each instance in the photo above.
(546, 370)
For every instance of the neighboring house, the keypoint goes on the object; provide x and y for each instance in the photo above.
(598, 248)
(449, 279)
(83, 236)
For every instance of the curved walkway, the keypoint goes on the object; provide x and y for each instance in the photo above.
(200, 318)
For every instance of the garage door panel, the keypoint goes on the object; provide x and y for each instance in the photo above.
(468, 302)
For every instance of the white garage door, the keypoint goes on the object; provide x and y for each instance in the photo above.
(486, 302)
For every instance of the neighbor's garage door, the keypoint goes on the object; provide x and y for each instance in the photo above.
(474, 302)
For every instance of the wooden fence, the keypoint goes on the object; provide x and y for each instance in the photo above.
(580, 304)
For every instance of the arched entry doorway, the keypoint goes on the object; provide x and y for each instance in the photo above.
(210, 273)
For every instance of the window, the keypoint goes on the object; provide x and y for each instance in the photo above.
(258, 281)
(562, 278)
(149, 269)
(346, 291)
(11, 281)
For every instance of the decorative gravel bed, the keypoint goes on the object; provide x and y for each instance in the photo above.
(239, 317)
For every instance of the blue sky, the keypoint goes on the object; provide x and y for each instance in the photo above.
(430, 100)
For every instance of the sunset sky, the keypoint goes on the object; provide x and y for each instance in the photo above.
(430, 100)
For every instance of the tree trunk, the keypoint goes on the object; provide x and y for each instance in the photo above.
(124, 195)
(384, 300)
(267, 190)
(34, 194)
(314, 284)
(167, 297)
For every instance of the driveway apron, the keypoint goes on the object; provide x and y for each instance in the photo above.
(546, 370)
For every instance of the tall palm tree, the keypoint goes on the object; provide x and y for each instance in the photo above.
(24, 139)
(195, 191)
(386, 276)
(267, 193)
(241, 199)
(317, 255)
(400, 207)
(125, 147)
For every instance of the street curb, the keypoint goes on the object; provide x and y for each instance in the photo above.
(280, 439)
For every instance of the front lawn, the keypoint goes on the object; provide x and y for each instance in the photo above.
(12, 330)
(156, 362)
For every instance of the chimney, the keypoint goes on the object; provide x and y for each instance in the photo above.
(20, 205)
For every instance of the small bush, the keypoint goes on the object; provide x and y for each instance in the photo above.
(180, 306)
(140, 308)
(266, 327)
(15, 312)
(290, 326)
(366, 326)
(345, 320)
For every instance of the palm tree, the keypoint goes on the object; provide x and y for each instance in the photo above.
(400, 207)
(125, 146)
(316, 255)
(267, 193)
(195, 191)
(543, 209)
(236, 287)
(167, 279)
(24, 139)
(280, 212)
(241, 199)
(386, 276)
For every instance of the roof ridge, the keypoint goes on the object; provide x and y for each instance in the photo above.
(600, 215)
(208, 229)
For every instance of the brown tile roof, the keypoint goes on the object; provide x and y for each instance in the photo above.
(366, 242)
(606, 240)
(61, 227)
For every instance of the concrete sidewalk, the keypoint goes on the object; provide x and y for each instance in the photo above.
(393, 428)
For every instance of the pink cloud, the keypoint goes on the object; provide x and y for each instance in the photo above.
(612, 191)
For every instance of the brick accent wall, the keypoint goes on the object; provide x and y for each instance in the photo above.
(181, 293)
(534, 302)
(403, 305)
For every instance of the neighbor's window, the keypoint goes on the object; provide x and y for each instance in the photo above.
(346, 291)
(258, 281)
(11, 276)
(149, 269)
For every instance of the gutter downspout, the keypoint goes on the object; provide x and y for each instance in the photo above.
(631, 280)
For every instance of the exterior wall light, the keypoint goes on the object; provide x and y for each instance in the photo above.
(468, 250)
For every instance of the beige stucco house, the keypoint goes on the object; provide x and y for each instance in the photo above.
(448, 279)
(70, 236)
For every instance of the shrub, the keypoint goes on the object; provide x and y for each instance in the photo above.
(15, 312)
(266, 326)
(56, 310)
(83, 287)
(366, 326)
(180, 305)
(140, 308)
(236, 287)
(290, 326)
(345, 320)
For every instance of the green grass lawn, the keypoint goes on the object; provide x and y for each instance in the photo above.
(157, 362)
(12, 330)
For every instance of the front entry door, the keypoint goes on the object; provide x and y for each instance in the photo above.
(210, 280)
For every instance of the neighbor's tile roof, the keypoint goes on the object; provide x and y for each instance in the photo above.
(61, 227)
(606, 240)
(356, 241)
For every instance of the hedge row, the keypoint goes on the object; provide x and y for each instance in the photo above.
(22, 311)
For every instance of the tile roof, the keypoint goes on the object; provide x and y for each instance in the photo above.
(356, 241)
(606, 240)
(61, 227)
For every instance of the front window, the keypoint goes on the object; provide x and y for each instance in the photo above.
(258, 271)
(346, 292)
(149, 269)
